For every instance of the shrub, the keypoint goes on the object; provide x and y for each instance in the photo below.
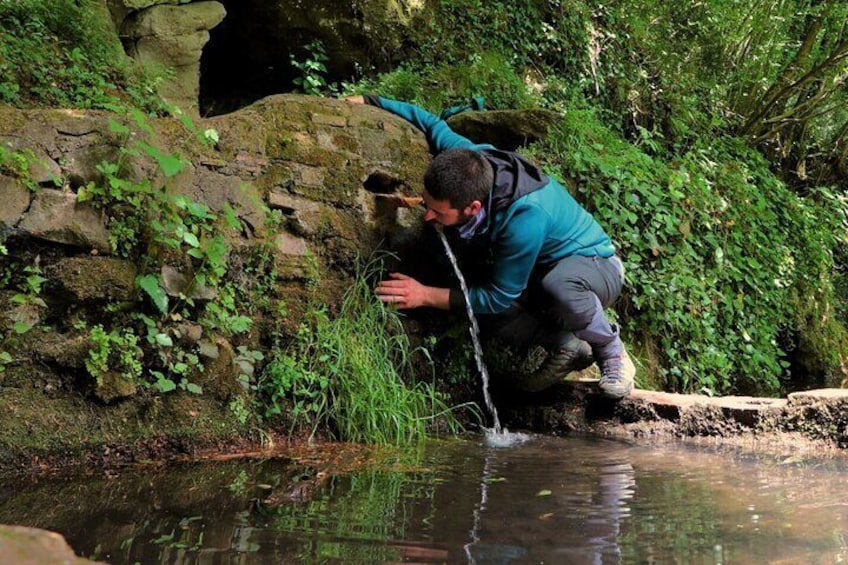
(722, 258)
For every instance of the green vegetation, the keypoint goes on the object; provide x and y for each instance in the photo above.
(167, 233)
(63, 53)
(116, 352)
(312, 69)
(721, 256)
(345, 373)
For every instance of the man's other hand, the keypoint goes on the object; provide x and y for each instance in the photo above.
(405, 292)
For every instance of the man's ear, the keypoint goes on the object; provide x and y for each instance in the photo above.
(473, 209)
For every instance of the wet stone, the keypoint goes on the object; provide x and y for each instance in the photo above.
(32, 546)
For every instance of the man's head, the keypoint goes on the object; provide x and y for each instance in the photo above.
(457, 183)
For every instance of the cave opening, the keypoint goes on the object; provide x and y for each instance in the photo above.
(249, 53)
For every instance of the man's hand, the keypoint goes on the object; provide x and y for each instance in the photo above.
(405, 292)
(359, 99)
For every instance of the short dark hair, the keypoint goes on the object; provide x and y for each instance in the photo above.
(459, 176)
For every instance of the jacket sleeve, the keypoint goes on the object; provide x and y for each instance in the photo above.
(439, 134)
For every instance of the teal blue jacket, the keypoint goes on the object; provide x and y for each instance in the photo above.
(531, 219)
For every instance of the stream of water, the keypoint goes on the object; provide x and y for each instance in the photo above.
(549, 500)
(474, 330)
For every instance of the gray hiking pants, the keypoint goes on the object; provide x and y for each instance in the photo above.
(569, 298)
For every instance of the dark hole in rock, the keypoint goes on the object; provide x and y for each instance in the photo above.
(75, 182)
(382, 182)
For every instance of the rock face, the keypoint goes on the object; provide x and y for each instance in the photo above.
(58, 217)
(250, 53)
(169, 35)
(505, 129)
(308, 158)
(31, 546)
(93, 279)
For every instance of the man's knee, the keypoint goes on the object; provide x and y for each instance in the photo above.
(573, 306)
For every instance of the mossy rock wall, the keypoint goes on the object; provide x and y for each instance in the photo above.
(311, 163)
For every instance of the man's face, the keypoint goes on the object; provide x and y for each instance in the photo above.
(441, 212)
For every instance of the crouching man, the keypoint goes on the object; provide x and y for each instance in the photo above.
(554, 268)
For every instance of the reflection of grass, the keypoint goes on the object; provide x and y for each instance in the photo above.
(345, 373)
(354, 514)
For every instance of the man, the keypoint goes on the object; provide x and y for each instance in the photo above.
(554, 269)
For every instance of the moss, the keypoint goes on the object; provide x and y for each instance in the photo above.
(34, 425)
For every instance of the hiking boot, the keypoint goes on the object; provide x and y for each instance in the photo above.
(617, 374)
(559, 363)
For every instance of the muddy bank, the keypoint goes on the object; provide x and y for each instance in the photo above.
(184, 427)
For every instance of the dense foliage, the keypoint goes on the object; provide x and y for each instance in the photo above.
(63, 53)
(347, 373)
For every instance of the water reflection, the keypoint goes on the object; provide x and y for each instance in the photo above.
(555, 509)
(549, 500)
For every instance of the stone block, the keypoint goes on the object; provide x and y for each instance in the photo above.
(16, 198)
(92, 279)
(56, 216)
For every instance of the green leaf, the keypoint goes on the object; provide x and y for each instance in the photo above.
(191, 239)
(5, 357)
(141, 120)
(200, 210)
(165, 384)
(544, 492)
(231, 218)
(164, 538)
(194, 389)
(150, 285)
(22, 327)
(164, 340)
(170, 164)
(211, 135)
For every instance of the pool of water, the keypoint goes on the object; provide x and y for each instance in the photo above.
(547, 500)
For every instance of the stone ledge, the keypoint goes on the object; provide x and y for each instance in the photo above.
(818, 415)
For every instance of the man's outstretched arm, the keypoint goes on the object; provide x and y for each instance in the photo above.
(439, 134)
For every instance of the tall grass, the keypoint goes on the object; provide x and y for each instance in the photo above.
(349, 374)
